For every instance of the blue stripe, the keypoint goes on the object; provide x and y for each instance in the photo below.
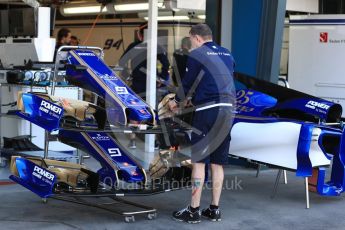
(317, 21)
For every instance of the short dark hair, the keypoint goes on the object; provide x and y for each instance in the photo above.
(202, 30)
(186, 42)
(63, 32)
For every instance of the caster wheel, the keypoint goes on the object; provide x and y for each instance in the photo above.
(44, 200)
(151, 216)
(129, 219)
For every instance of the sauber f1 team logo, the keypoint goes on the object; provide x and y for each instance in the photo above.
(323, 37)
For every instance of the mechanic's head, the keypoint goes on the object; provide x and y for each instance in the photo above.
(74, 41)
(64, 36)
(199, 34)
(186, 43)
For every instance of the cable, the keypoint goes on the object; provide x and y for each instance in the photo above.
(121, 31)
(93, 26)
(174, 40)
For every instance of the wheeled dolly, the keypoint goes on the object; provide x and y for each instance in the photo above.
(112, 204)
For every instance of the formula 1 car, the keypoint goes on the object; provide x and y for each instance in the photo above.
(273, 125)
(290, 130)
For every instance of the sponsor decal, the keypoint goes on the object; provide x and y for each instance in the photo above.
(50, 109)
(317, 105)
(99, 137)
(86, 54)
(133, 102)
(108, 77)
(43, 174)
(121, 90)
(142, 111)
(218, 54)
(114, 152)
(323, 37)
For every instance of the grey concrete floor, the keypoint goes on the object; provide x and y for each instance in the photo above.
(247, 206)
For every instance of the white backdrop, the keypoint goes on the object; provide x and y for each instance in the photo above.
(317, 56)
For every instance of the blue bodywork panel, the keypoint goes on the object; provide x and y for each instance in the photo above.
(304, 167)
(35, 178)
(108, 152)
(253, 103)
(318, 107)
(41, 112)
(122, 103)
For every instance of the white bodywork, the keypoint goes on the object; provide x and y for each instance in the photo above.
(273, 143)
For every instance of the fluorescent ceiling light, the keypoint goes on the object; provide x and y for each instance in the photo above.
(135, 6)
(83, 10)
(170, 18)
(203, 17)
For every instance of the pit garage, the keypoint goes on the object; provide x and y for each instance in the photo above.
(164, 114)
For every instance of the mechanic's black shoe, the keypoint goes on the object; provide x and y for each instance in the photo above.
(187, 215)
(211, 214)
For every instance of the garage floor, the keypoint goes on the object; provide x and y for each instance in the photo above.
(245, 206)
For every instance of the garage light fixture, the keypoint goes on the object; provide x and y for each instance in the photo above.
(170, 18)
(82, 10)
(134, 7)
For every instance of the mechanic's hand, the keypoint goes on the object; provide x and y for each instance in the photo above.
(173, 106)
(187, 103)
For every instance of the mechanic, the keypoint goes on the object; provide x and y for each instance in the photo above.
(180, 60)
(208, 85)
(63, 39)
(135, 57)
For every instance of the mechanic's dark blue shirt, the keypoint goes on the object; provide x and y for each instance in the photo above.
(209, 76)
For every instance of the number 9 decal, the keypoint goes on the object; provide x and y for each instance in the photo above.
(114, 152)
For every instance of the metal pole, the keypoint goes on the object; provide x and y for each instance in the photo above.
(285, 177)
(151, 65)
(258, 170)
(46, 144)
(307, 193)
(276, 183)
